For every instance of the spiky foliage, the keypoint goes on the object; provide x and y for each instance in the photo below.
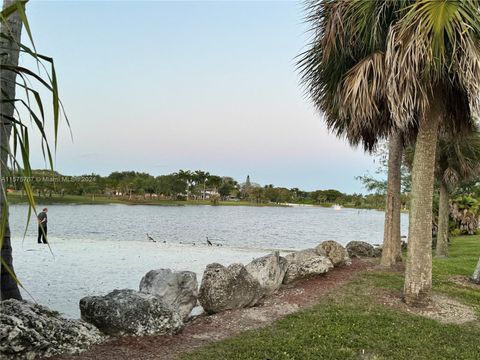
(458, 155)
(371, 64)
(344, 70)
(374, 67)
(435, 44)
(459, 158)
(18, 116)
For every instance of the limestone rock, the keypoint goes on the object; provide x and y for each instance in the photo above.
(305, 263)
(130, 312)
(360, 249)
(337, 254)
(29, 330)
(225, 288)
(377, 251)
(269, 271)
(177, 288)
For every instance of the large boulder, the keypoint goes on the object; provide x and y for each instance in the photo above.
(476, 274)
(359, 249)
(177, 288)
(130, 312)
(28, 331)
(225, 288)
(269, 271)
(337, 254)
(304, 264)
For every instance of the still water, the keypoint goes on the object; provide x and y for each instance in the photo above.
(97, 248)
(236, 226)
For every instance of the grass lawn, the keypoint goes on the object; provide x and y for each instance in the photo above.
(353, 324)
(89, 200)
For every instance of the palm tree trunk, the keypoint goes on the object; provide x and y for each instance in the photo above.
(13, 26)
(443, 215)
(392, 253)
(418, 272)
(476, 273)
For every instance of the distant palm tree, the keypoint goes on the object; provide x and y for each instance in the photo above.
(377, 67)
(201, 177)
(187, 177)
(458, 160)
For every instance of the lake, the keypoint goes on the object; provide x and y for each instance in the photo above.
(238, 226)
(97, 248)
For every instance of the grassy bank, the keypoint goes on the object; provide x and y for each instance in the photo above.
(17, 198)
(92, 200)
(354, 323)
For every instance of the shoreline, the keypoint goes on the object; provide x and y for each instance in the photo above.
(15, 199)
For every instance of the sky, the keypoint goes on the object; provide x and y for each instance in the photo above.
(162, 86)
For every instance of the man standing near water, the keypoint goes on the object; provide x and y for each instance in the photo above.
(42, 226)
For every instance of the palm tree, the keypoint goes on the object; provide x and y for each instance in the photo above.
(392, 247)
(433, 57)
(379, 67)
(187, 177)
(12, 123)
(458, 160)
(345, 74)
(12, 28)
(201, 177)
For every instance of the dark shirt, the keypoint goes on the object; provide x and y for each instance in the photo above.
(41, 216)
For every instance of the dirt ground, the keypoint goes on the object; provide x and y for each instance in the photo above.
(440, 308)
(206, 329)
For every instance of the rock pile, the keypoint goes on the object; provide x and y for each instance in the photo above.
(29, 330)
(359, 249)
(129, 312)
(177, 288)
(164, 301)
(269, 271)
(337, 254)
(225, 288)
(305, 263)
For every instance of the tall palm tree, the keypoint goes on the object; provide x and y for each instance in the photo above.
(379, 67)
(345, 73)
(14, 124)
(12, 28)
(433, 57)
(458, 160)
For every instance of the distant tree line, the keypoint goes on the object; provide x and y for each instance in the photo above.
(184, 185)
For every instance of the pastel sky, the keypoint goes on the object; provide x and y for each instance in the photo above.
(162, 86)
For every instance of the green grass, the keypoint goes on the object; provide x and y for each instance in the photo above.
(89, 200)
(351, 324)
(17, 198)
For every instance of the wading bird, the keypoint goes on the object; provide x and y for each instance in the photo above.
(149, 238)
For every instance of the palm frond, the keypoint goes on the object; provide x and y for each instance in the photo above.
(343, 70)
(435, 44)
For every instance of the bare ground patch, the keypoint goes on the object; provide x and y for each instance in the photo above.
(464, 281)
(441, 308)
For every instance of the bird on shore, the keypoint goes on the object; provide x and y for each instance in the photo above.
(149, 238)
(209, 243)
